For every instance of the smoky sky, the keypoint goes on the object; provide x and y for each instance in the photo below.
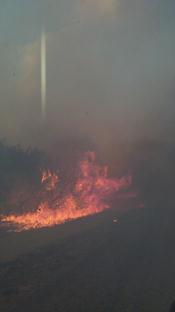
(110, 70)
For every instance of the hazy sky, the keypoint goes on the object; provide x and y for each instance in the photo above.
(110, 69)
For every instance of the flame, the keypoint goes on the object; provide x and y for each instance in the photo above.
(89, 196)
(49, 179)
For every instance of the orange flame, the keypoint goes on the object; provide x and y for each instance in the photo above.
(89, 196)
(49, 179)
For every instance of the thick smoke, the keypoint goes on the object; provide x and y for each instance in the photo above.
(109, 76)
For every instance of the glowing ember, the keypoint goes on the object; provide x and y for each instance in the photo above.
(89, 196)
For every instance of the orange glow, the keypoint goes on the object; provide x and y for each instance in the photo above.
(89, 196)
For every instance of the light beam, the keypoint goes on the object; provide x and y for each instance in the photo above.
(43, 74)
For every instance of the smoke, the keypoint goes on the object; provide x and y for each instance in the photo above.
(110, 74)
(100, 7)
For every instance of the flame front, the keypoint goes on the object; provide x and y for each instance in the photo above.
(88, 196)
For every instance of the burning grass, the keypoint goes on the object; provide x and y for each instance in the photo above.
(89, 195)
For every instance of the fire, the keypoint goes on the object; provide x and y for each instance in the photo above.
(50, 180)
(89, 196)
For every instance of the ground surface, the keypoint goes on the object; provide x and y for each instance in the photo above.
(92, 265)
